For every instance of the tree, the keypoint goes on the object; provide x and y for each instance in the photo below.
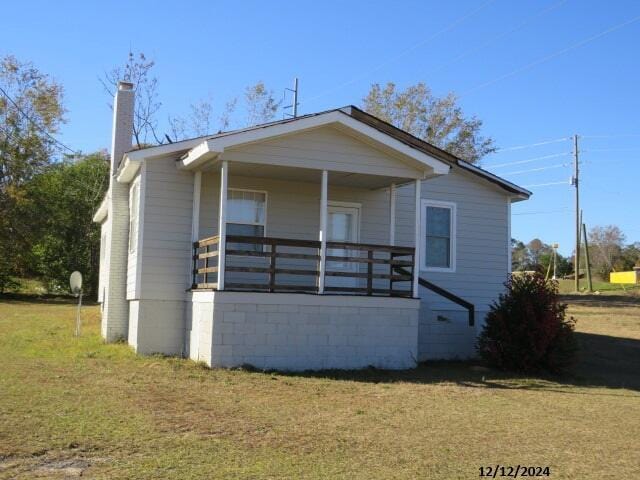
(260, 103)
(31, 111)
(629, 257)
(439, 121)
(519, 255)
(200, 120)
(139, 71)
(60, 203)
(536, 248)
(606, 245)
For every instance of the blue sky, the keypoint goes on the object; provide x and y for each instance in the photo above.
(533, 71)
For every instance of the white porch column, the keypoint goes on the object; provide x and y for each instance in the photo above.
(195, 223)
(222, 223)
(323, 229)
(392, 214)
(195, 218)
(418, 242)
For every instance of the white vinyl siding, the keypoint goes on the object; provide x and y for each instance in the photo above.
(136, 192)
(167, 250)
(481, 217)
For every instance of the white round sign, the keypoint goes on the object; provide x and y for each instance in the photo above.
(76, 282)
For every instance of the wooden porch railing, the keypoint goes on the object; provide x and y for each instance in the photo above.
(370, 265)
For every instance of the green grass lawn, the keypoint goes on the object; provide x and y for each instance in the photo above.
(71, 406)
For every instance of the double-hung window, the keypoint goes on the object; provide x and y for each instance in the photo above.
(438, 236)
(246, 215)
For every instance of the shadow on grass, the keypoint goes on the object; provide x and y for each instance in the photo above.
(603, 362)
(49, 299)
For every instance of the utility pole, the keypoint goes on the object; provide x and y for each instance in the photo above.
(576, 183)
(555, 259)
(586, 257)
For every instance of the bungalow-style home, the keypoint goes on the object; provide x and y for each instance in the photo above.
(329, 240)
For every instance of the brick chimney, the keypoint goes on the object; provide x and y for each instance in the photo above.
(115, 311)
(122, 130)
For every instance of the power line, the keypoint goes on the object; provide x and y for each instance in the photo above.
(528, 160)
(36, 124)
(631, 149)
(558, 165)
(620, 135)
(553, 55)
(530, 145)
(564, 182)
(403, 53)
(498, 37)
(543, 212)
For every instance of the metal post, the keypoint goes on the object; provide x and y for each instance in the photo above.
(78, 314)
(323, 229)
(576, 184)
(222, 225)
(555, 256)
(418, 242)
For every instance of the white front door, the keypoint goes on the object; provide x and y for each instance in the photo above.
(343, 225)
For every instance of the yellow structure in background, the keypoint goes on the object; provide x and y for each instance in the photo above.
(625, 277)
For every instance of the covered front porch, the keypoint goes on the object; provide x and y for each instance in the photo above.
(343, 258)
(302, 256)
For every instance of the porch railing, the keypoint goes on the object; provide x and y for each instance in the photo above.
(287, 265)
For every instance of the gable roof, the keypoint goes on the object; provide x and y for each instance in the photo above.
(187, 147)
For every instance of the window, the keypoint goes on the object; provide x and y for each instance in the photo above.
(439, 227)
(246, 215)
(134, 207)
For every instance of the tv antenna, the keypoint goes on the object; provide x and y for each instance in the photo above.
(294, 104)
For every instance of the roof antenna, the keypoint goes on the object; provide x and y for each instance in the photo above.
(294, 104)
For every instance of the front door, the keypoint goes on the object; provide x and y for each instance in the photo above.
(343, 225)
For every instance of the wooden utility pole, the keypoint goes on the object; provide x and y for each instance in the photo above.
(586, 258)
(576, 183)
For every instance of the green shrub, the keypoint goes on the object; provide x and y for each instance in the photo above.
(526, 330)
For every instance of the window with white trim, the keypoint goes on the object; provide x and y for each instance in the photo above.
(134, 210)
(247, 214)
(438, 234)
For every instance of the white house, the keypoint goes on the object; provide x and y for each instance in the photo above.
(292, 245)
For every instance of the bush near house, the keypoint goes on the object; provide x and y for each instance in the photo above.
(526, 330)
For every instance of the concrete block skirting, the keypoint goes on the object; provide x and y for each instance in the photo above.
(302, 332)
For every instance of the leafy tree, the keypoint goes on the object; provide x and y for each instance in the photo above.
(260, 103)
(629, 257)
(606, 244)
(60, 203)
(439, 121)
(31, 112)
(519, 255)
(138, 69)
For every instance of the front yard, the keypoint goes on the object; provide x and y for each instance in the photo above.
(76, 406)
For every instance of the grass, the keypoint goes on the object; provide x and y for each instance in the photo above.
(71, 406)
(568, 286)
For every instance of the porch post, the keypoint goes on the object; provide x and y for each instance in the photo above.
(392, 214)
(222, 224)
(323, 229)
(418, 242)
(195, 225)
(195, 219)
